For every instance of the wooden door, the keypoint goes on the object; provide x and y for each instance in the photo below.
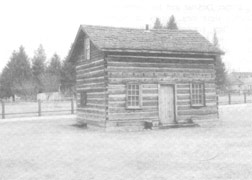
(166, 104)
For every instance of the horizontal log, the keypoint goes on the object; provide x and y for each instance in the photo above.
(116, 91)
(188, 91)
(150, 91)
(91, 85)
(116, 86)
(150, 103)
(158, 59)
(186, 86)
(96, 96)
(159, 65)
(87, 64)
(201, 117)
(183, 102)
(147, 86)
(98, 89)
(202, 111)
(124, 110)
(117, 98)
(188, 107)
(96, 68)
(91, 80)
(144, 71)
(97, 101)
(183, 96)
(96, 106)
(98, 73)
(97, 93)
(136, 115)
(116, 81)
(117, 104)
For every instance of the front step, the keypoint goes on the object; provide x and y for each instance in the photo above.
(179, 125)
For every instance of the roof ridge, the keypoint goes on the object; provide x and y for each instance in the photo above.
(131, 28)
(101, 26)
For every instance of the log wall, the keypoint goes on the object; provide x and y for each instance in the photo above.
(91, 79)
(150, 72)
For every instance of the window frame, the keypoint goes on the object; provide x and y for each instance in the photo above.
(83, 100)
(139, 95)
(87, 49)
(203, 95)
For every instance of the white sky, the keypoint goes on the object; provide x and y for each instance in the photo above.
(54, 23)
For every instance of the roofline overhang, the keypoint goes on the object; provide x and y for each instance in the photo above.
(74, 44)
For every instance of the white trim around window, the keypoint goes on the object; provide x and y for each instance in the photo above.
(197, 94)
(134, 96)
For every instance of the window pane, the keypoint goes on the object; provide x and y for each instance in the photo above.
(133, 95)
(197, 94)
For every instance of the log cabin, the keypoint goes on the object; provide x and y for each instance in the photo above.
(130, 79)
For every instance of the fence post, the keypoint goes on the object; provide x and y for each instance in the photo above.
(245, 98)
(229, 98)
(72, 106)
(39, 107)
(3, 110)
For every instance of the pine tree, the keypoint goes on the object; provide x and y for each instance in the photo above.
(38, 66)
(158, 24)
(221, 74)
(55, 65)
(52, 76)
(68, 76)
(171, 24)
(17, 73)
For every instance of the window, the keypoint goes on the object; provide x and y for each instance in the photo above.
(197, 94)
(87, 49)
(134, 100)
(83, 99)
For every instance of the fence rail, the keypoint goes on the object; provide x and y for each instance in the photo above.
(44, 108)
(36, 108)
(232, 98)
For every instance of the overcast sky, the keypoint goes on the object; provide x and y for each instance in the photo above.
(54, 23)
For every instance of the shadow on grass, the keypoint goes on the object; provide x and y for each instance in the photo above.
(81, 126)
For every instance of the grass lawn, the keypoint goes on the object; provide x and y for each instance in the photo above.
(56, 150)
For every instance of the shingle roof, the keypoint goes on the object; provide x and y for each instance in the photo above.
(107, 38)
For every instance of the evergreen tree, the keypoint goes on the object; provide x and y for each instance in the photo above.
(171, 24)
(68, 76)
(221, 74)
(17, 73)
(158, 24)
(51, 78)
(54, 66)
(38, 66)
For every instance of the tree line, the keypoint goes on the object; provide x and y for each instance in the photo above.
(26, 77)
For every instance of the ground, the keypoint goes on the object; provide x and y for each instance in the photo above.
(45, 149)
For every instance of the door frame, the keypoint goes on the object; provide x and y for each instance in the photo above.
(174, 99)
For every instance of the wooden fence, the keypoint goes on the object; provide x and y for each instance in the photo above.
(234, 98)
(36, 108)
